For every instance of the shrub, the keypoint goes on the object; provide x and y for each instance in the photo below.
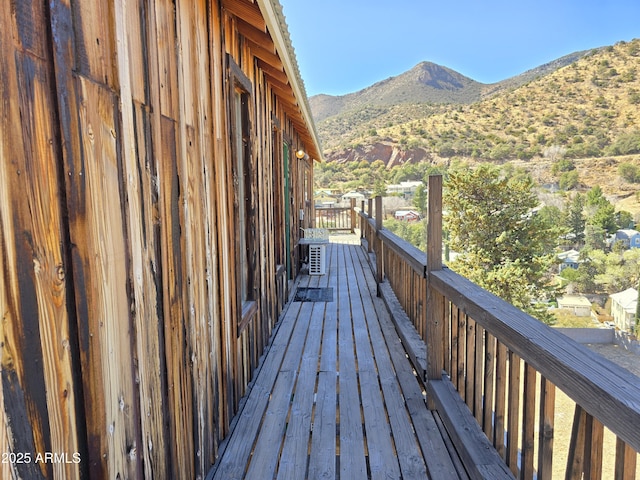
(563, 165)
(630, 172)
(568, 180)
(626, 144)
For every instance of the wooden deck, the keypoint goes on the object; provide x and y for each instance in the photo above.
(336, 396)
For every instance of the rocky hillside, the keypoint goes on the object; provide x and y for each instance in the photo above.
(397, 99)
(584, 106)
(424, 83)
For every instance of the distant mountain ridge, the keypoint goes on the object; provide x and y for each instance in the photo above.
(585, 105)
(427, 82)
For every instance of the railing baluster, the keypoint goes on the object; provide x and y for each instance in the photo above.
(478, 374)
(462, 355)
(547, 415)
(379, 245)
(447, 335)
(626, 460)
(575, 459)
(593, 441)
(421, 321)
(489, 383)
(513, 404)
(528, 422)
(470, 377)
(501, 392)
(455, 339)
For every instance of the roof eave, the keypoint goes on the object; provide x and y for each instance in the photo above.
(277, 27)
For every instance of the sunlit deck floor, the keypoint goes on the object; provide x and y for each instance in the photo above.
(336, 396)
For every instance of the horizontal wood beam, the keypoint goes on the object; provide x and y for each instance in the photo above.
(276, 75)
(258, 37)
(265, 55)
(247, 11)
(282, 92)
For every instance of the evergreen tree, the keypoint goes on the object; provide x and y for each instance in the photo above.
(379, 188)
(600, 211)
(595, 197)
(605, 218)
(420, 199)
(502, 245)
(594, 238)
(574, 218)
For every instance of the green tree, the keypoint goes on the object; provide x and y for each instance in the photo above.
(412, 232)
(626, 144)
(594, 237)
(582, 279)
(379, 188)
(552, 215)
(595, 197)
(600, 211)
(502, 245)
(624, 219)
(617, 270)
(420, 199)
(573, 218)
(605, 218)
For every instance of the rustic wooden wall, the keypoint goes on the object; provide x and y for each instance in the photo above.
(120, 325)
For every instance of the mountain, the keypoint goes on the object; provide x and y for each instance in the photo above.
(427, 82)
(537, 72)
(424, 83)
(585, 105)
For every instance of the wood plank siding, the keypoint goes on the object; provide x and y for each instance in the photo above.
(139, 283)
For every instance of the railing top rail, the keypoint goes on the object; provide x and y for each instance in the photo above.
(607, 391)
(604, 389)
(415, 257)
(333, 209)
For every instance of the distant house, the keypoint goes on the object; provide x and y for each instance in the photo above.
(629, 237)
(324, 201)
(407, 215)
(348, 196)
(569, 259)
(623, 308)
(579, 304)
(404, 189)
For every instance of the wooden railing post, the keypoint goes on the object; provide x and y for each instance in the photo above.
(370, 207)
(362, 220)
(379, 246)
(353, 215)
(435, 300)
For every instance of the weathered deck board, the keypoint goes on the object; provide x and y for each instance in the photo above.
(408, 451)
(351, 432)
(336, 396)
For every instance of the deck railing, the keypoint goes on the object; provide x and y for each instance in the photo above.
(506, 365)
(336, 218)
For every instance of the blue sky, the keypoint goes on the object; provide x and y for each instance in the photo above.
(343, 46)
